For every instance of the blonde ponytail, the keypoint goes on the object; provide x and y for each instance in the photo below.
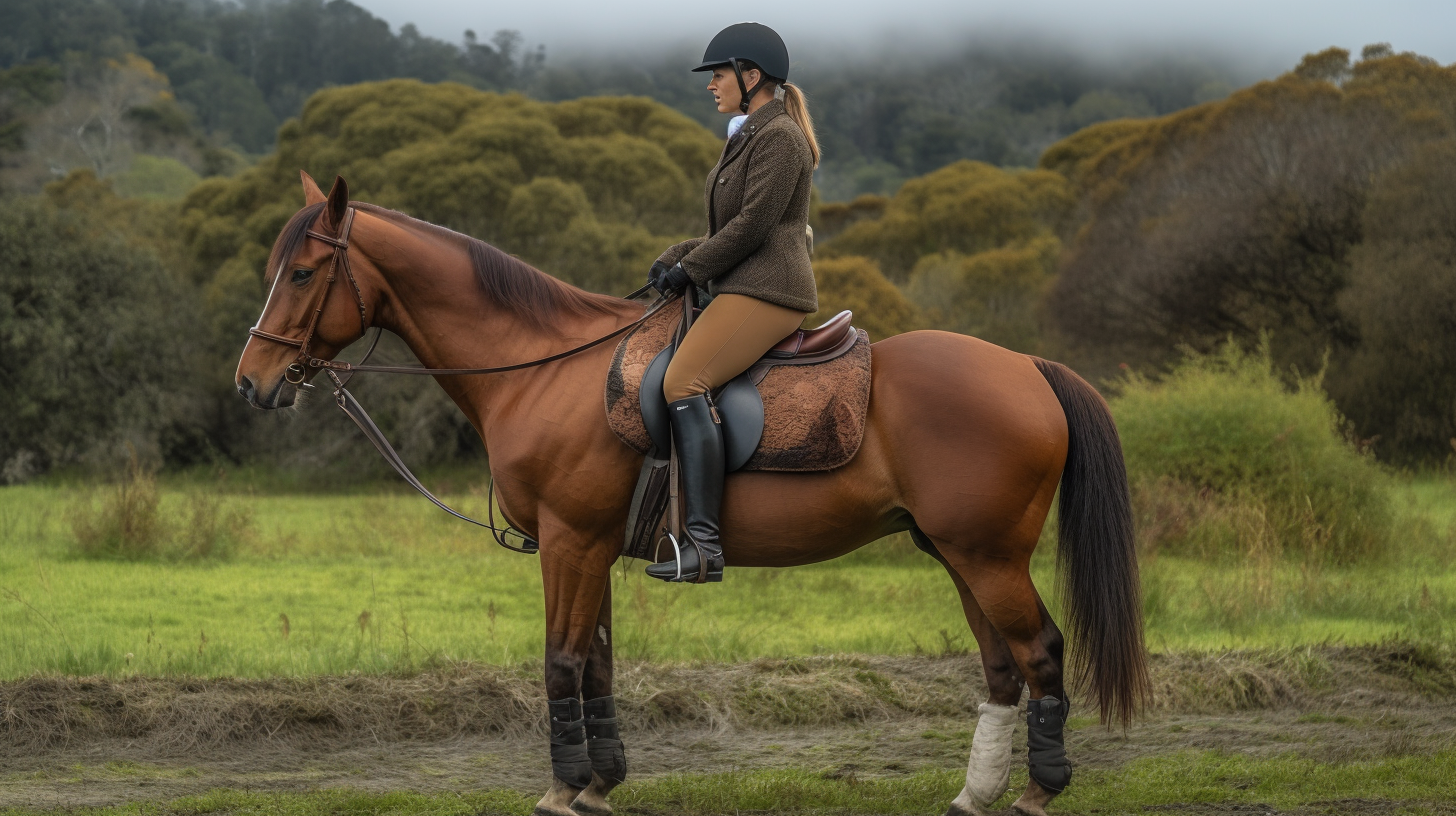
(798, 110)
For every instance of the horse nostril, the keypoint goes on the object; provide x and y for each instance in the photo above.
(245, 387)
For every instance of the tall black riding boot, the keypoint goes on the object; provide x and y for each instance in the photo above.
(699, 443)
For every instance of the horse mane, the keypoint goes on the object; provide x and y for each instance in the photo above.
(508, 281)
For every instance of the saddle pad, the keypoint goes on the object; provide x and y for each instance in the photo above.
(814, 415)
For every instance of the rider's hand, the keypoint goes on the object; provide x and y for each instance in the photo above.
(655, 274)
(673, 280)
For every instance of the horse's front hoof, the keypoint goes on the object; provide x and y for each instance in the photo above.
(1034, 801)
(557, 801)
(963, 809)
(592, 801)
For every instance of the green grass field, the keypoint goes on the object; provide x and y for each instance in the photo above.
(1180, 782)
(383, 582)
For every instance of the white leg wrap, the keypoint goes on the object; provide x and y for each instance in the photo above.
(988, 774)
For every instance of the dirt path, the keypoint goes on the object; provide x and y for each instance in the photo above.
(69, 742)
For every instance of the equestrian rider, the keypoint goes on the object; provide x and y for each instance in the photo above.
(754, 262)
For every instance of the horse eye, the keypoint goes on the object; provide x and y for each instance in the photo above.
(302, 275)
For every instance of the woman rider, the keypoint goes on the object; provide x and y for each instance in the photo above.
(754, 262)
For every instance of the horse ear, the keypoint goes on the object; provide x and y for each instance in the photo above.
(311, 192)
(338, 203)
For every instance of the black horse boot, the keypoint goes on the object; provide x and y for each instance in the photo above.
(699, 442)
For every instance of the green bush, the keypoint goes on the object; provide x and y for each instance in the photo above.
(1225, 458)
(128, 522)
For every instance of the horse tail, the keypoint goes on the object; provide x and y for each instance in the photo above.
(1097, 553)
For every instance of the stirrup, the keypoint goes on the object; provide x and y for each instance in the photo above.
(706, 573)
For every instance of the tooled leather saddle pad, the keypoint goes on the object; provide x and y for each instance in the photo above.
(813, 415)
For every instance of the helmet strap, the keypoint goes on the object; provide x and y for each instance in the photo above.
(743, 89)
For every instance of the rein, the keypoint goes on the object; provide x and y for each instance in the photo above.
(297, 372)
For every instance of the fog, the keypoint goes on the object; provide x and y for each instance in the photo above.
(1268, 34)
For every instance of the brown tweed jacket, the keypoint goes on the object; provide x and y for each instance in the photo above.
(758, 208)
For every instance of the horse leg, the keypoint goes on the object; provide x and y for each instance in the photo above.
(1002, 590)
(575, 583)
(603, 741)
(988, 772)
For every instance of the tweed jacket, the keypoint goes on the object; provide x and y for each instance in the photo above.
(758, 209)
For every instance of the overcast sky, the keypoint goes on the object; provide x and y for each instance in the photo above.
(1272, 32)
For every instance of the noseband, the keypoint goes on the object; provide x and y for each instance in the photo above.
(297, 372)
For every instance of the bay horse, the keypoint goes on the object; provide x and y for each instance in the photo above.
(965, 446)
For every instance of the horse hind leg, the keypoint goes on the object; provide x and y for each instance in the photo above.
(1003, 594)
(988, 771)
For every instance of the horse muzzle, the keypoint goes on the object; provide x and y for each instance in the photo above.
(281, 395)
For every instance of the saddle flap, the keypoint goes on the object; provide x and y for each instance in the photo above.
(740, 408)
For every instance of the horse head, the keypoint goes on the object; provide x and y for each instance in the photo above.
(304, 318)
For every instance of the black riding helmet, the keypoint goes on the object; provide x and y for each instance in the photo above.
(748, 42)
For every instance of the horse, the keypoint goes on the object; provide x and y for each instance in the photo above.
(965, 446)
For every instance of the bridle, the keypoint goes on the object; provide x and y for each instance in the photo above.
(298, 370)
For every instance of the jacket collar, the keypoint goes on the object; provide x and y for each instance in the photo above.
(754, 123)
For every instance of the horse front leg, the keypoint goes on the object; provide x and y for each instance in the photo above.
(576, 579)
(603, 740)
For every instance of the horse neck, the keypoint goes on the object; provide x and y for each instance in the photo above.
(433, 301)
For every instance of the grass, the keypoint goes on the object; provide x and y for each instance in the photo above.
(380, 582)
(1177, 782)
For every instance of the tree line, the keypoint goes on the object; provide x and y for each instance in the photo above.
(1309, 212)
(213, 78)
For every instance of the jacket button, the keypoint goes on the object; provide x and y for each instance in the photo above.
(722, 181)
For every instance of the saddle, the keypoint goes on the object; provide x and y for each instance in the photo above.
(801, 407)
(739, 403)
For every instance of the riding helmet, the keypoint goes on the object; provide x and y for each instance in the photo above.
(754, 42)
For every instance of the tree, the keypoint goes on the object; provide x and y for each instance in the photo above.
(994, 295)
(92, 341)
(1400, 383)
(856, 284)
(968, 207)
(1232, 218)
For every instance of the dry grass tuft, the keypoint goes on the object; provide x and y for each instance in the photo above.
(128, 522)
(178, 716)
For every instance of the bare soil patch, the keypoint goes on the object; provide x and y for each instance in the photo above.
(89, 741)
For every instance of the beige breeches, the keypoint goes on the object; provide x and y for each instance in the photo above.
(728, 337)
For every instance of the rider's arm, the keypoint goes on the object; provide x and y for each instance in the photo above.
(773, 170)
(676, 252)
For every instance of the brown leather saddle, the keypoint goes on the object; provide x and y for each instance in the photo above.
(740, 409)
(805, 343)
(739, 404)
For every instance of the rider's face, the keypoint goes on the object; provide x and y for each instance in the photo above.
(724, 87)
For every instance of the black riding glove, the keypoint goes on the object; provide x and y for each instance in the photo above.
(673, 280)
(655, 274)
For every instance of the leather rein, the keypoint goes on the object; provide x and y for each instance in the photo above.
(298, 371)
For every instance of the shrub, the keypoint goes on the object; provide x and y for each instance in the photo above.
(856, 284)
(1225, 458)
(129, 523)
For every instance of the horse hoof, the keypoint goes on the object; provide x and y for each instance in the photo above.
(557, 801)
(1034, 801)
(592, 801)
(962, 809)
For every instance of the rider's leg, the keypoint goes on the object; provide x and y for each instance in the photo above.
(730, 335)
